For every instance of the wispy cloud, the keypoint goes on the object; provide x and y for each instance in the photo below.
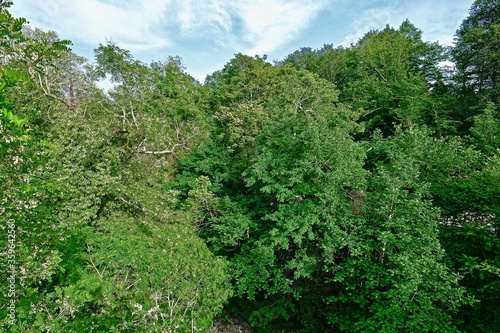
(203, 18)
(250, 26)
(92, 21)
(262, 25)
(267, 25)
(206, 33)
(369, 19)
(440, 18)
(437, 18)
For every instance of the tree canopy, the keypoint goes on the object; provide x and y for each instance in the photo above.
(342, 189)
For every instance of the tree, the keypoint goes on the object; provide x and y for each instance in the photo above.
(304, 58)
(486, 131)
(390, 77)
(462, 183)
(314, 241)
(339, 66)
(267, 207)
(324, 193)
(396, 70)
(476, 54)
(76, 192)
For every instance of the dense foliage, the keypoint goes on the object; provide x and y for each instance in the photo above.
(349, 189)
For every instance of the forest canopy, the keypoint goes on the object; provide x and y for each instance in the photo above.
(341, 189)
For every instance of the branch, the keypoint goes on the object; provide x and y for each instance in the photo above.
(155, 152)
(131, 204)
(47, 92)
(414, 294)
(124, 115)
(383, 253)
(181, 143)
(371, 111)
(133, 115)
(92, 262)
(159, 152)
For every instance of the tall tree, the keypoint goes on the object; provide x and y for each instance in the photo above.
(476, 54)
(396, 70)
(390, 77)
(315, 242)
(99, 243)
(393, 273)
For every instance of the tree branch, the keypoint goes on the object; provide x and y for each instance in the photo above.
(159, 152)
(46, 91)
(131, 204)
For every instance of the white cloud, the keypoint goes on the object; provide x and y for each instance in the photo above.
(269, 24)
(370, 19)
(203, 17)
(265, 24)
(92, 21)
(207, 32)
(438, 19)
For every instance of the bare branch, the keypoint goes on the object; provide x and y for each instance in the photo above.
(124, 115)
(133, 115)
(159, 152)
(181, 142)
(46, 91)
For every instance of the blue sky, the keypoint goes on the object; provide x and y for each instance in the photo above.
(207, 33)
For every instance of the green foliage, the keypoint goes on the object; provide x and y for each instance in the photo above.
(324, 193)
(339, 66)
(305, 58)
(118, 63)
(462, 183)
(473, 251)
(301, 214)
(486, 129)
(99, 245)
(26, 205)
(476, 52)
(10, 28)
(387, 76)
(153, 276)
(394, 275)
(395, 69)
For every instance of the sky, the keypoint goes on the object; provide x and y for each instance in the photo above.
(207, 33)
